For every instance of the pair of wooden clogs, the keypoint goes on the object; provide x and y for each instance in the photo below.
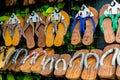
(33, 28)
(109, 22)
(97, 63)
(84, 26)
(12, 30)
(57, 24)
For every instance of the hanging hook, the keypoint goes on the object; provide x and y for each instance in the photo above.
(113, 3)
(56, 10)
(13, 19)
(34, 17)
(113, 8)
(82, 8)
(33, 13)
(84, 11)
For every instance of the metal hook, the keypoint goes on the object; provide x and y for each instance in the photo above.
(84, 11)
(33, 13)
(82, 8)
(113, 3)
(113, 8)
(56, 10)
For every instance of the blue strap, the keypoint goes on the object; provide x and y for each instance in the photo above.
(84, 20)
(74, 23)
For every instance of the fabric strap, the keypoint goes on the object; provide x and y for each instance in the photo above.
(18, 54)
(116, 21)
(118, 58)
(107, 53)
(93, 22)
(43, 52)
(112, 20)
(76, 56)
(51, 60)
(30, 55)
(11, 54)
(64, 64)
(95, 56)
(74, 23)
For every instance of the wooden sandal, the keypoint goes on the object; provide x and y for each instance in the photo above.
(91, 24)
(76, 31)
(4, 55)
(108, 61)
(49, 31)
(107, 25)
(7, 33)
(48, 66)
(39, 30)
(18, 28)
(76, 64)
(28, 34)
(12, 31)
(91, 64)
(17, 60)
(40, 59)
(9, 60)
(61, 28)
(61, 65)
(27, 62)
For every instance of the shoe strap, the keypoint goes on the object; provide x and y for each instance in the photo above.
(51, 60)
(37, 54)
(18, 54)
(60, 20)
(19, 28)
(11, 54)
(38, 25)
(110, 16)
(76, 56)
(26, 26)
(118, 58)
(116, 21)
(4, 29)
(29, 56)
(107, 53)
(64, 64)
(46, 26)
(84, 20)
(74, 23)
(95, 56)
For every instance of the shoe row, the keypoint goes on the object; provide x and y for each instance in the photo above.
(82, 64)
(51, 30)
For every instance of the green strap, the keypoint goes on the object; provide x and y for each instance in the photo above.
(116, 20)
(107, 16)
